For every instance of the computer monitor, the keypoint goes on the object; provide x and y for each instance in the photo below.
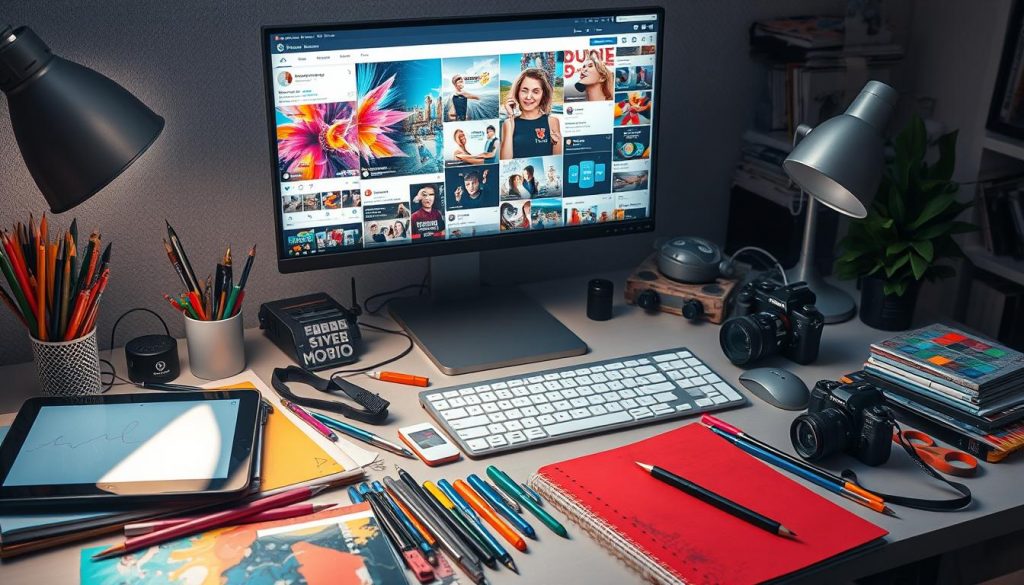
(395, 140)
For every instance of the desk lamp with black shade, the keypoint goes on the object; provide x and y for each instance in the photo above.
(77, 130)
(839, 164)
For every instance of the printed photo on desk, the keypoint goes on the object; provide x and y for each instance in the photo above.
(342, 546)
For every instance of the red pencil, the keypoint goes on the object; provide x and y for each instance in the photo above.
(20, 273)
(209, 521)
(197, 305)
(283, 513)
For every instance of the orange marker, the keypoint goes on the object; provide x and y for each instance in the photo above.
(399, 378)
(485, 512)
(415, 521)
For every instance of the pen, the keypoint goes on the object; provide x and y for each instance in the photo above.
(491, 497)
(365, 436)
(812, 477)
(478, 504)
(508, 501)
(533, 494)
(722, 503)
(281, 513)
(462, 526)
(474, 519)
(186, 267)
(414, 534)
(355, 496)
(512, 489)
(399, 378)
(715, 422)
(400, 540)
(448, 542)
(308, 419)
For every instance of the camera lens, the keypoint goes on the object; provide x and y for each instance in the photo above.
(751, 337)
(817, 435)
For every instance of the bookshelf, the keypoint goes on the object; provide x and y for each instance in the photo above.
(1004, 266)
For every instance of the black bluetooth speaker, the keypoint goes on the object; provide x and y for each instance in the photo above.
(152, 358)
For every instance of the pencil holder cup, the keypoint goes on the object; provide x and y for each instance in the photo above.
(216, 349)
(68, 368)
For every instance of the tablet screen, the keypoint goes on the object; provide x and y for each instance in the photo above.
(130, 442)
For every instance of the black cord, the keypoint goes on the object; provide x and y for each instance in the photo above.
(113, 330)
(405, 352)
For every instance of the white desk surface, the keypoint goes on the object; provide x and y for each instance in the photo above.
(997, 509)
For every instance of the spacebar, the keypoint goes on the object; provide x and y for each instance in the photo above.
(583, 424)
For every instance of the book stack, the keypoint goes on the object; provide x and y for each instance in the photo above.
(965, 389)
(759, 169)
(816, 68)
(1000, 208)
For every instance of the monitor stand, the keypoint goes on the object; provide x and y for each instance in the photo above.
(464, 327)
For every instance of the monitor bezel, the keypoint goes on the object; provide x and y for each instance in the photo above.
(363, 255)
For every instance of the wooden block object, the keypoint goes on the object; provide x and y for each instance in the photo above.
(673, 295)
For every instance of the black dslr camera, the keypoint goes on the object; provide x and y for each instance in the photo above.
(767, 319)
(844, 417)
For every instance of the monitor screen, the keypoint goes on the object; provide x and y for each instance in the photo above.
(394, 140)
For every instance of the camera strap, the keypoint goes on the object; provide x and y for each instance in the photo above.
(374, 408)
(918, 503)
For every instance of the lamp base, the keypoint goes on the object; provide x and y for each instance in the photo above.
(835, 304)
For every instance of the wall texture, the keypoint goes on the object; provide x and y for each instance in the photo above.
(198, 65)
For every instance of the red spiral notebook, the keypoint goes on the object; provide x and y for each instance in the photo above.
(671, 537)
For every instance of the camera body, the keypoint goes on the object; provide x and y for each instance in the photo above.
(844, 417)
(769, 318)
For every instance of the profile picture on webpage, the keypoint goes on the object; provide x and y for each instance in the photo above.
(284, 78)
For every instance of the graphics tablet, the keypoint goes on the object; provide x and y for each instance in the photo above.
(131, 448)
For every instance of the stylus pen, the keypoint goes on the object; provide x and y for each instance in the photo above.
(491, 497)
(447, 541)
(365, 436)
(308, 419)
(513, 490)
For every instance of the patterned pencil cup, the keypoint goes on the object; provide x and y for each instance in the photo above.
(68, 368)
(216, 349)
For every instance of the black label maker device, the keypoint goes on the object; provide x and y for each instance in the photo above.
(315, 330)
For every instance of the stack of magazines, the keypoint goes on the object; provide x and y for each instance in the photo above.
(965, 389)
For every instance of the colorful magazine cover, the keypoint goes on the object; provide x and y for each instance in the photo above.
(343, 546)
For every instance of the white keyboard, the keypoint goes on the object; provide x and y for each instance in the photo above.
(518, 412)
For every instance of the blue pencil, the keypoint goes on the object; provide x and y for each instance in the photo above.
(487, 493)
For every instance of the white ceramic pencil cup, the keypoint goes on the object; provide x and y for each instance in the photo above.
(68, 368)
(216, 349)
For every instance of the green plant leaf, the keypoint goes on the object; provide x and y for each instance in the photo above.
(925, 249)
(899, 263)
(918, 265)
(893, 249)
(933, 208)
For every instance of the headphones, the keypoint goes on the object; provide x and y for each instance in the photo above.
(693, 260)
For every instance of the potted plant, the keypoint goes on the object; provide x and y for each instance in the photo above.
(908, 231)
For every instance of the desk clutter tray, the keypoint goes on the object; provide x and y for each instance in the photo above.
(517, 412)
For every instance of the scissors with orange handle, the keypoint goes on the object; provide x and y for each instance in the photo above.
(948, 461)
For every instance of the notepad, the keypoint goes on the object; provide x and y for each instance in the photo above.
(671, 537)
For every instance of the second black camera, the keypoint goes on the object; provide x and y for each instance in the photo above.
(844, 417)
(769, 319)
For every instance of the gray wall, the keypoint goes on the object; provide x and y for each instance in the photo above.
(198, 65)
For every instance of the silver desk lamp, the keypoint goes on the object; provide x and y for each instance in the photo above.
(839, 164)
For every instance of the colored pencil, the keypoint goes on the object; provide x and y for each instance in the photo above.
(209, 521)
(282, 513)
(179, 251)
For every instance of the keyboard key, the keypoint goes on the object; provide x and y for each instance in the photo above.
(627, 393)
(451, 393)
(692, 361)
(499, 385)
(597, 410)
(453, 413)
(570, 393)
(662, 408)
(595, 399)
(434, 397)
(515, 437)
(562, 405)
(530, 422)
(514, 425)
(496, 441)
(612, 366)
(598, 369)
(665, 397)
(474, 410)
(466, 423)
(503, 394)
(684, 354)
(629, 372)
(615, 385)
(583, 371)
(631, 363)
(477, 444)
(515, 383)
(613, 406)
(504, 404)
(579, 413)
(645, 400)
(536, 388)
(727, 390)
(545, 419)
(529, 411)
(561, 416)
(535, 433)
(481, 388)
(587, 423)
(578, 402)
(490, 407)
(545, 408)
(535, 379)
(538, 399)
(703, 402)
(488, 396)
(441, 404)
(644, 370)
(629, 403)
(551, 376)
(513, 414)
(569, 383)
(472, 400)
(521, 401)
(473, 433)
(585, 380)
(639, 413)
(554, 396)
(496, 417)
(586, 390)
(496, 428)
(665, 357)
(520, 391)
(702, 370)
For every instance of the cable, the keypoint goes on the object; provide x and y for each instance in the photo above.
(113, 330)
(408, 349)
(778, 266)
(422, 286)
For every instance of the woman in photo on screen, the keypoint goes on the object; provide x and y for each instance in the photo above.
(403, 211)
(462, 153)
(596, 81)
(530, 130)
(529, 180)
(515, 186)
(399, 230)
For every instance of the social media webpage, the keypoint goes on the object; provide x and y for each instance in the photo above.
(390, 146)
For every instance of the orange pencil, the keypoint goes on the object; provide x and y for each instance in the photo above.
(485, 512)
(75, 323)
(41, 292)
(400, 378)
(94, 308)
